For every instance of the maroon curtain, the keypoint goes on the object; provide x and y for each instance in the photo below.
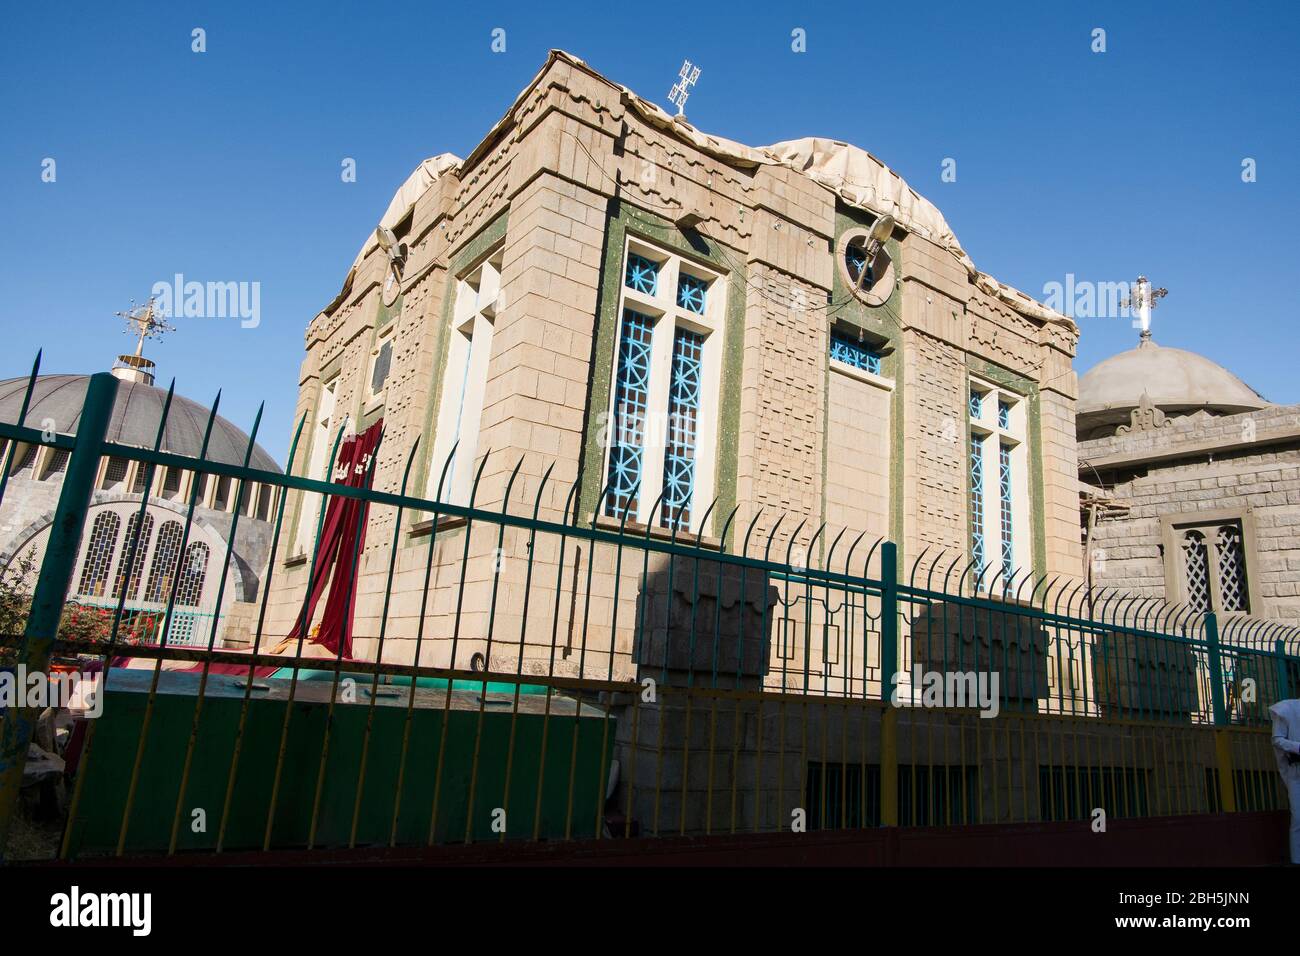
(343, 537)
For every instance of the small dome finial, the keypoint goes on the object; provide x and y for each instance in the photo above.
(145, 322)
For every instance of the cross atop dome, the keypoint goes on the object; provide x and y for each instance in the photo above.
(144, 322)
(1144, 299)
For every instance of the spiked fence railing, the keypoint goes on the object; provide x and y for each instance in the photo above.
(522, 670)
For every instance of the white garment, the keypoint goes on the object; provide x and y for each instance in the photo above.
(1286, 740)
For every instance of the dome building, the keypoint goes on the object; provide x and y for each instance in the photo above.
(1175, 381)
(1190, 483)
(101, 574)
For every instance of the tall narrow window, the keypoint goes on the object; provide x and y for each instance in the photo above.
(1232, 569)
(631, 397)
(1196, 563)
(171, 482)
(660, 447)
(381, 364)
(114, 474)
(221, 500)
(25, 461)
(977, 505)
(683, 414)
(322, 440)
(162, 568)
(1005, 496)
(193, 572)
(139, 543)
(264, 502)
(57, 463)
(99, 554)
(998, 452)
(464, 383)
(184, 627)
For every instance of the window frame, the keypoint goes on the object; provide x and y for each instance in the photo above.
(994, 436)
(1172, 528)
(318, 468)
(667, 317)
(462, 388)
(384, 337)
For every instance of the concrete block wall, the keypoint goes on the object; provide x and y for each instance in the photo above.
(1243, 463)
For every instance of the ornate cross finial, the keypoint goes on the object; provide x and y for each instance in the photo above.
(1143, 298)
(682, 88)
(145, 322)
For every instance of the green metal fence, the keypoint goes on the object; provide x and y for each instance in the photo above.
(524, 671)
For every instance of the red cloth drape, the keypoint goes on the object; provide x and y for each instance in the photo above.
(342, 539)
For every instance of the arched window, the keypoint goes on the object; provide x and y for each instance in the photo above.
(141, 550)
(192, 573)
(166, 553)
(99, 554)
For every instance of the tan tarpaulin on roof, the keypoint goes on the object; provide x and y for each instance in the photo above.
(852, 174)
(404, 200)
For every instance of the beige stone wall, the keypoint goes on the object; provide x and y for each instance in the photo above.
(857, 455)
(782, 407)
(1247, 464)
(934, 450)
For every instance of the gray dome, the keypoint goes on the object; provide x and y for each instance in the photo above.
(135, 418)
(1179, 383)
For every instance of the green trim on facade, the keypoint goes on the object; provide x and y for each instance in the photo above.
(386, 314)
(623, 220)
(1027, 388)
(883, 322)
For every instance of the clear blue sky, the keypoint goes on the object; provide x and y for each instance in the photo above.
(224, 166)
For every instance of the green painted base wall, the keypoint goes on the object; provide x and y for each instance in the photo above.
(115, 742)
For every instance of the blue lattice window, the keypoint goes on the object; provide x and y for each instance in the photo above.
(1004, 493)
(977, 504)
(690, 293)
(976, 403)
(631, 401)
(683, 420)
(1004, 414)
(642, 274)
(852, 352)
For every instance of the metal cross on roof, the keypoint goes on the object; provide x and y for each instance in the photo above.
(1144, 298)
(146, 322)
(682, 88)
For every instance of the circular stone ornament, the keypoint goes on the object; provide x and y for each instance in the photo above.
(878, 285)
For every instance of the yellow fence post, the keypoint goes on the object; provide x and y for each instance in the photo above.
(888, 669)
(1223, 758)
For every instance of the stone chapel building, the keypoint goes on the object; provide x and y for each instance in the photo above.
(1191, 484)
(596, 268)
